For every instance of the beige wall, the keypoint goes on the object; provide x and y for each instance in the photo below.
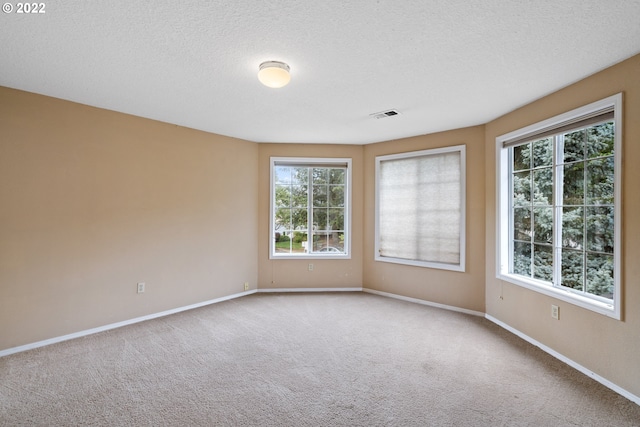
(295, 273)
(608, 347)
(95, 201)
(464, 290)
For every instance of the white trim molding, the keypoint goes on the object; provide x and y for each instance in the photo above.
(290, 290)
(605, 382)
(424, 302)
(554, 126)
(92, 331)
(310, 162)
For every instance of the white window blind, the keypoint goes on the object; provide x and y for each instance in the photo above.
(420, 208)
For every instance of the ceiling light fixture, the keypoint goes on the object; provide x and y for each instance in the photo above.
(274, 74)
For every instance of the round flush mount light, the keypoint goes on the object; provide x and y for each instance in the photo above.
(274, 74)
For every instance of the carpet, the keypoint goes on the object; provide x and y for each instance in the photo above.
(308, 359)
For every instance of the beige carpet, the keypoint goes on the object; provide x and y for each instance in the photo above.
(330, 359)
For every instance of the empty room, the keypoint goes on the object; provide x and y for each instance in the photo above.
(296, 213)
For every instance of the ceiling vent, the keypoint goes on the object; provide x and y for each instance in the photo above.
(384, 114)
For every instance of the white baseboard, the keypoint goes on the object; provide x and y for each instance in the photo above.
(118, 324)
(424, 302)
(605, 382)
(310, 290)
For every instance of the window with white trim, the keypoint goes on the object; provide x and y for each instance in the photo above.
(559, 206)
(420, 208)
(310, 207)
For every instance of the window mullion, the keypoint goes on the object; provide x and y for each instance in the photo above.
(558, 195)
(310, 210)
(532, 223)
(511, 212)
(585, 270)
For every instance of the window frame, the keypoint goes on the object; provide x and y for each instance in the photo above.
(504, 228)
(311, 162)
(461, 266)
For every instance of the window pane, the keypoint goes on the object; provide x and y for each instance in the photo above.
(336, 176)
(283, 196)
(522, 188)
(328, 243)
(573, 185)
(522, 258)
(320, 176)
(543, 262)
(283, 242)
(283, 219)
(299, 175)
(299, 242)
(320, 195)
(600, 275)
(573, 269)
(336, 219)
(320, 219)
(600, 140)
(600, 231)
(574, 146)
(600, 178)
(320, 241)
(299, 196)
(543, 225)
(522, 157)
(299, 219)
(543, 186)
(573, 228)
(282, 175)
(543, 152)
(522, 224)
(336, 196)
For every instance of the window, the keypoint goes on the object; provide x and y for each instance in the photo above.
(420, 208)
(310, 207)
(559, 210)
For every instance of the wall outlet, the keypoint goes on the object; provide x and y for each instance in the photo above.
(555, 312)
(246, 286)
(141, 287)
(310, 267)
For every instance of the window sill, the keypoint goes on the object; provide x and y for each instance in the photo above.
(426, 264)
(606, 309)
(310, 256)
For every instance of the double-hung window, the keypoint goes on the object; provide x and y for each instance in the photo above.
(310, 207)
(559, 206)
(420, 208)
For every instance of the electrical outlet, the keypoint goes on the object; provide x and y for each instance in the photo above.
(246, 286)
(141, 287)
(310, 267)
(555, 312)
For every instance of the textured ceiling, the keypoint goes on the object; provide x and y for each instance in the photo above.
(443, 64)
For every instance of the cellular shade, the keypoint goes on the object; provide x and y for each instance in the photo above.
(420, 208)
